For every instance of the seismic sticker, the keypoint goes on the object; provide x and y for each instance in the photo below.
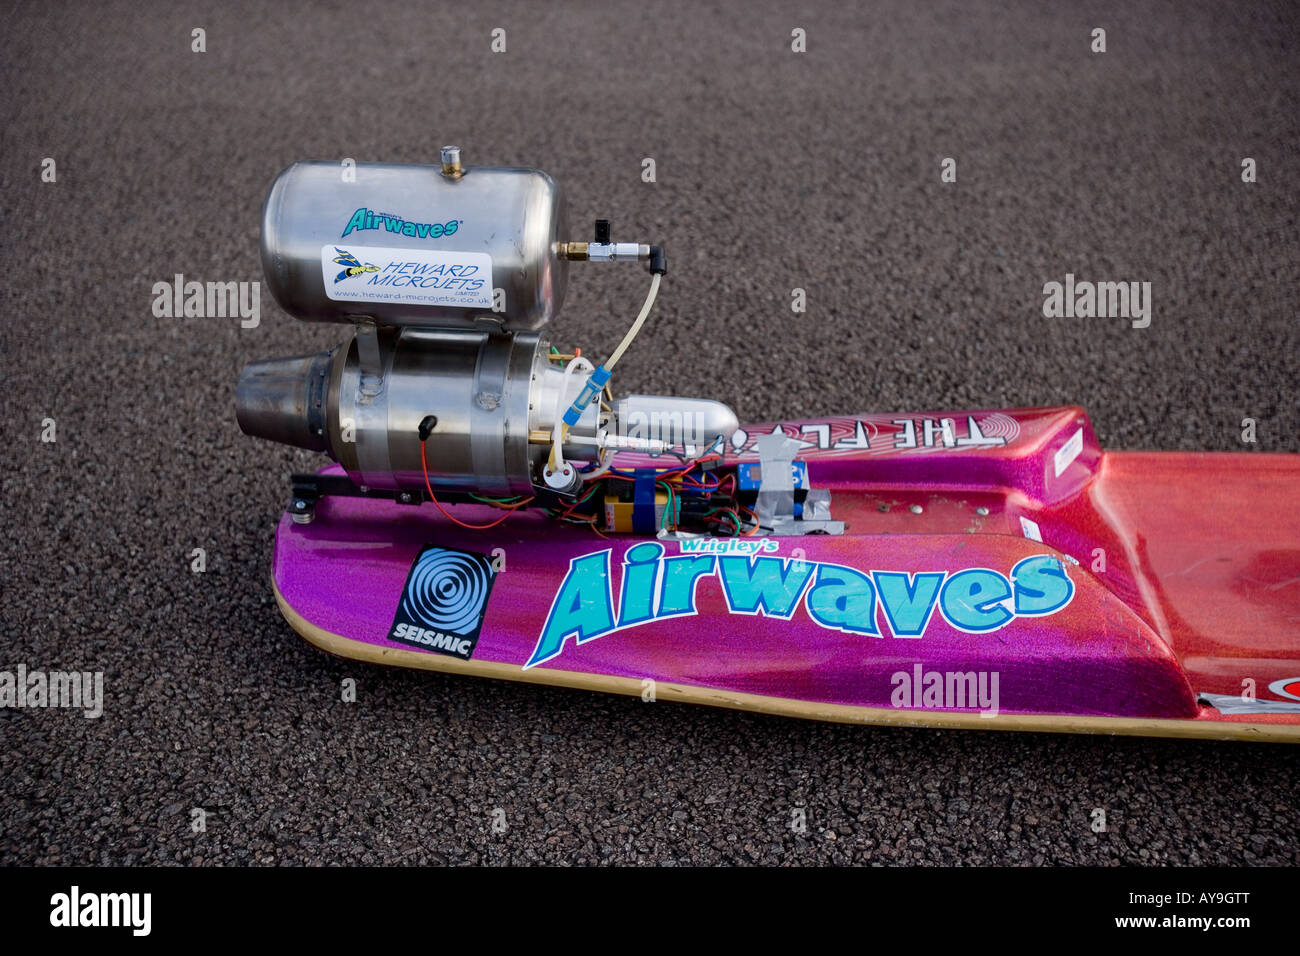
(443, 601)
(435, 277)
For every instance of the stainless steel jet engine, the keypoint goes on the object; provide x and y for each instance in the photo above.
(448, 275)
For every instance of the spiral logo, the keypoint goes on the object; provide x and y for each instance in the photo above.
(998, 425)
(442, 605)
(447, 590)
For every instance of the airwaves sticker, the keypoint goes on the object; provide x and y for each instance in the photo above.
(442, 604)
(353, 273)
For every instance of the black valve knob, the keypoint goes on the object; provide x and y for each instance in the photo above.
(602, 230)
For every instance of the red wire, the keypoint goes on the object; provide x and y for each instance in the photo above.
(672, 472)
(424, 465)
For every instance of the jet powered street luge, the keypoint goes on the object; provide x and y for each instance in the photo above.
(495, 510)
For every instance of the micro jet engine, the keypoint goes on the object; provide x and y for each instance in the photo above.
(446, 386)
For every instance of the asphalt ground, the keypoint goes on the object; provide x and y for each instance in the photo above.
(775, 170)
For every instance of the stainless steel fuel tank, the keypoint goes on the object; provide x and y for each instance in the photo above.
(408, 245)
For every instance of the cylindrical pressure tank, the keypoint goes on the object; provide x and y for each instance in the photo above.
(409, 245)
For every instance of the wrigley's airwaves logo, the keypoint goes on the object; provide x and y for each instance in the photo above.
(365, 218)
(655, 588)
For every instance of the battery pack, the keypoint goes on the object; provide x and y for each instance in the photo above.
(749, 475)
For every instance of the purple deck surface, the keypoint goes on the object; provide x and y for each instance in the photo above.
(1130, 642)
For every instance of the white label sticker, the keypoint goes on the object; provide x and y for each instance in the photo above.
(353, 273)
(1068, 452)
(1030, 528)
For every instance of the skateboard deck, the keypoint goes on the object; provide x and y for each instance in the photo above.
(998, 570)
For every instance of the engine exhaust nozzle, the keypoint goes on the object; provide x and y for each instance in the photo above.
(284, 400)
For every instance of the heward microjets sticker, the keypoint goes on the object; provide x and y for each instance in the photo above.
(655, 588)
(442, 604)
(355, 273)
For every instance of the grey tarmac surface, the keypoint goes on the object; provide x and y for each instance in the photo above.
(775, 171)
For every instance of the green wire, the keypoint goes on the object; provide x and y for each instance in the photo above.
(497, 501)
(668, 507)
(735, 531)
